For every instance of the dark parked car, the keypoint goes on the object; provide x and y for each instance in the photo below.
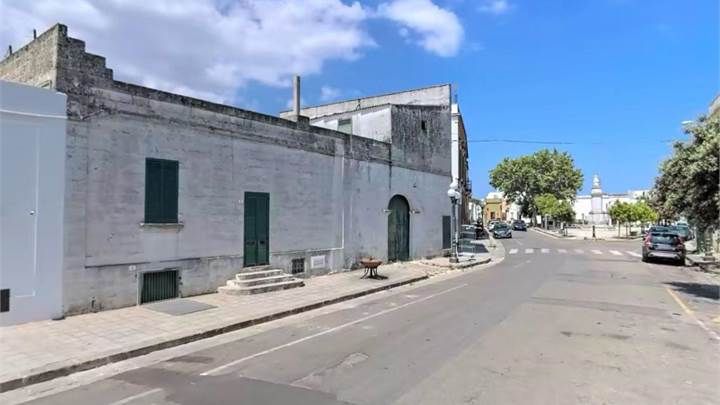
(519, 225)
(666, 246)
(682, 230)
(502, 230)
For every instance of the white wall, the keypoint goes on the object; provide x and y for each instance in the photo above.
(373, 123)
(32, 171)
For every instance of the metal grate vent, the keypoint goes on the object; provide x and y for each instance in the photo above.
(298, 266)
(159, 285)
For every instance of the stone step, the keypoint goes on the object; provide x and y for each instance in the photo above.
(258, 289)
(260, 280)
(247, 275)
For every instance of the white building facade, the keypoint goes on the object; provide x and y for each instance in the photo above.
(593, 209)
(32, 179)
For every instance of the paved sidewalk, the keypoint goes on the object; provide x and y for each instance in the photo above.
(472, 253)
(40, 351)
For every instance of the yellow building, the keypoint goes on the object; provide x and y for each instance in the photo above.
(495, 207)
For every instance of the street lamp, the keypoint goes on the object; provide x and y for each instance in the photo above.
(454, 195)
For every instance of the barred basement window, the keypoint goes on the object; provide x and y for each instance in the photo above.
(298, 266)
(161, 191)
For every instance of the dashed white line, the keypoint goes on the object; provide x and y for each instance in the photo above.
(513, 251)
(529, 250)
(325, 332)
(616, 253)
(597, 252)
(543, 250)
(636, 254)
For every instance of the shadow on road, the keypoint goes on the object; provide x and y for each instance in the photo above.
(710, 291)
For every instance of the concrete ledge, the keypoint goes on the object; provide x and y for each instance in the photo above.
(704, 264)
(56, 370)
(461, 265)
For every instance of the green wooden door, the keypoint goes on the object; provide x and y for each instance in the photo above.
(257, 229)
(398, 229)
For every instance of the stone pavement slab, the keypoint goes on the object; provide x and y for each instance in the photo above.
(40, 351)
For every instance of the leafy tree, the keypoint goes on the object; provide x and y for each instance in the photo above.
(688, 184)
(628, 213)
(546, 205)
(621, 213)
(564, 212)
(525, 178)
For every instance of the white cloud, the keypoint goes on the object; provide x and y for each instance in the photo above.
(439, 30)
(203, 48)
(495, 7)
(212, 48)
(328, 93)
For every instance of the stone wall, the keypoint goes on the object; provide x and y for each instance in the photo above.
(328, 190)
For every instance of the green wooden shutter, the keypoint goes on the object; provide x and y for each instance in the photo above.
(170, 191)
(153, 190)
(161, 191)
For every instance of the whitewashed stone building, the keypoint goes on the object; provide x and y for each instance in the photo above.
(593, 209)
(162, 184)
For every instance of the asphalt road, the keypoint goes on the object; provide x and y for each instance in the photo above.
(557, 322)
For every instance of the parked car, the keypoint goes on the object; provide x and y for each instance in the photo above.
(657, 229)
(502, 230)
(682, 230)
(665, 246)
(492, 223)
(519, 225)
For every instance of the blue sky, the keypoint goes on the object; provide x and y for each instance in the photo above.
(613, 77)
(617, 77)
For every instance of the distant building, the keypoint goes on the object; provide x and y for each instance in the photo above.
(495, 206)
(594, 208)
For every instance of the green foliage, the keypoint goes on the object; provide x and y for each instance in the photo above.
(549, 206)
(526, 178)
(546, 204)
(688, 184)
(564, 212)
(642, 212)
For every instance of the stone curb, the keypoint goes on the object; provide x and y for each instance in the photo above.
(64, 370)
(459, 265)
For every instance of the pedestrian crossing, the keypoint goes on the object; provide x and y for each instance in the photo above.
(598, 252)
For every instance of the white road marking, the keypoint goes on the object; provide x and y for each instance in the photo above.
(513, 251)
(562, 250)
(325, 332)
(137, 396)
(580, 251)
(616, 253)
(544, 250)
(636, 254)
(529, 250)
(597, 252)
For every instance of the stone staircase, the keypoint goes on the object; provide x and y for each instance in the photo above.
(258, 280)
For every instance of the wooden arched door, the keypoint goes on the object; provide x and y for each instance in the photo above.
(398, 229)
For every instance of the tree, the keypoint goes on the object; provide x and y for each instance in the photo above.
(620, 212)
(628, 213)
(644, 213)
(546, 205)
(564, 212)
(689, 181)
(525, 178)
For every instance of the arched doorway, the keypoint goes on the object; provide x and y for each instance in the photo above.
(398, 229)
